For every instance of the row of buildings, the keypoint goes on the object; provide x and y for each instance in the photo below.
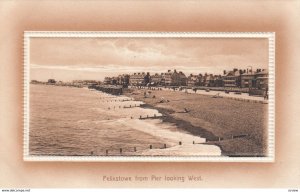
(74, 83)
(234, 78)
(247, 78)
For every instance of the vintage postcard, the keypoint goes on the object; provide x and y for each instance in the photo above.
(149, 96)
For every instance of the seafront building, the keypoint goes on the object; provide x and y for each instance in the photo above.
(262, 79)
(237, 80)
(139, 79)
(247, 79)
(167, 78)
(51, 81)
(193, 80)
(181, 79)
(232, 78)
(209, 80)
(174, 78)
(156, 79)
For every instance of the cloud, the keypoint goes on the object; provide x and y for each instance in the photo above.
(117, 69)
(127, 55)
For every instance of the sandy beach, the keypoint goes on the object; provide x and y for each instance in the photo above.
(238, 127)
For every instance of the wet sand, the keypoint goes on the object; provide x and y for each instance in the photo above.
(239, 128)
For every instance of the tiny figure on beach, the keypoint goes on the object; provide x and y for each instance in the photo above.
(186, 110)
(195, 90)
(266, 97)
(163, 100)
(145, 95)
(217, 96)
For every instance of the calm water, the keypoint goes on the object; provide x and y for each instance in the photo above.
(78, 121)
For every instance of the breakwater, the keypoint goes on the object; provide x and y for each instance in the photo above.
(111, 89)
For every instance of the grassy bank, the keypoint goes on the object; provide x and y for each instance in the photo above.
(216, 119)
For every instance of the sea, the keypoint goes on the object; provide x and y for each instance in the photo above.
(70, 121)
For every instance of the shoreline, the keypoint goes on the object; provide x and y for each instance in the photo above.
(231, 146)
(209, 118)
(187, 126)
(118, 131)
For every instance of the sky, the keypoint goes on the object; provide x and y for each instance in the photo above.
(68, 59)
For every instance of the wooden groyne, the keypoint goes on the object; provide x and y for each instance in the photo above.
(111, 89)
(152, 117)
(132, 151)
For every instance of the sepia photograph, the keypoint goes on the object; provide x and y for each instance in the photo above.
(149, 96)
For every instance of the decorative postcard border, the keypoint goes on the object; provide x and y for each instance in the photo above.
(88, 34)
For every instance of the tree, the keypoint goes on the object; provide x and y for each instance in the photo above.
(147, 78)
(241, 71)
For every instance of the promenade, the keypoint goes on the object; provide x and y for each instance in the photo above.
(230, 95)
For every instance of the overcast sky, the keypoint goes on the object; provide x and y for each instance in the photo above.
(94, 58)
